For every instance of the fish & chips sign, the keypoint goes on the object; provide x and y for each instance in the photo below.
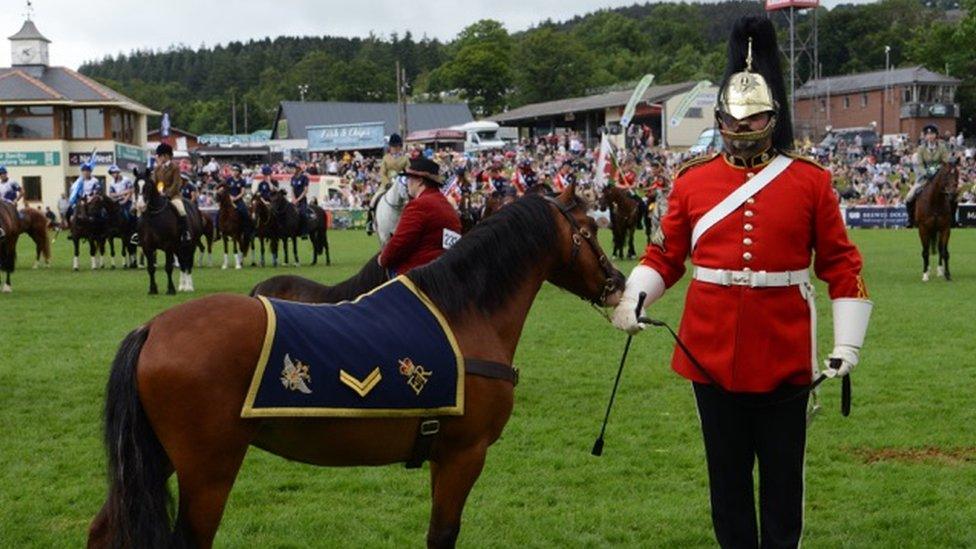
(346, 137)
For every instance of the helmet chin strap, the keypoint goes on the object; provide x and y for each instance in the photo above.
(749, 144)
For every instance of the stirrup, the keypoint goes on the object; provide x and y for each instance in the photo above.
(134, 239)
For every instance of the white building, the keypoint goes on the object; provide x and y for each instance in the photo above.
(52, 118)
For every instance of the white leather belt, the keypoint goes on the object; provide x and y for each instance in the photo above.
(753, 279)
(764, 279)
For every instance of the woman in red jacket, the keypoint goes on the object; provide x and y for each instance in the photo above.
(429, 225)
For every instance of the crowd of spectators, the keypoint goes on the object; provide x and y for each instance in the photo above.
(879, 176)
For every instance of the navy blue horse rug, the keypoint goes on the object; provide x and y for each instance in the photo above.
(389, 353)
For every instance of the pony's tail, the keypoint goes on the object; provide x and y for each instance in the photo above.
(138, 505)
(45, 242)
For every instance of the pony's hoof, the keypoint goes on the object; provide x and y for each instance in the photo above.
(238, 267)
(171, 291)
(223, 267)
(6, 289)
(925, 277)
(153, 291)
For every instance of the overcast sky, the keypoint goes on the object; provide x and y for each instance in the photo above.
(82, 31)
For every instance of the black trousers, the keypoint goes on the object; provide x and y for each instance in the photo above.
(738, 429)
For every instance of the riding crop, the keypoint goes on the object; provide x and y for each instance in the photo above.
(598, 445)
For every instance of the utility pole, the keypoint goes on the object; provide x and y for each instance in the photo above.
(233, 111)
(245, 115)
(403, 82)
(302, 90)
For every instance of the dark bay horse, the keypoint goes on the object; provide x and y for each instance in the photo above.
(178, 383)
(933, 212)
(264, 230)
(35, 225)
(231, 227)
(318, 234)
(10, 228)
(296, 288)
(121, 225)
(158, 230)
(624, 218)
(90, 221)
(287, 226)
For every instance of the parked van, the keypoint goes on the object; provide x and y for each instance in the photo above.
(709, 140)
(480, 136)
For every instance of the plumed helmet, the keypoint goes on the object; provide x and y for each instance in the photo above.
(396, 140)
(753, 81)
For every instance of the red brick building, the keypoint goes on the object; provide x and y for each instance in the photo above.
(898, 101)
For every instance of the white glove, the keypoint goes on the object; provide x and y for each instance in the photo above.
(641, 279)
(848, 355)
(851, 317)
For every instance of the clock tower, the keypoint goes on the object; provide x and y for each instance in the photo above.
(29, 47)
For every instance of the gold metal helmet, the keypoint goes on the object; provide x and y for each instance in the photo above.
(747, 93)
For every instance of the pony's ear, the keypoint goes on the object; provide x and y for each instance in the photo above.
(568, 196)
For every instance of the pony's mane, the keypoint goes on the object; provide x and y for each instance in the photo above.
(490, 261)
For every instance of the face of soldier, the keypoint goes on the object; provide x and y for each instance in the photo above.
(930, 137)
(746, 148)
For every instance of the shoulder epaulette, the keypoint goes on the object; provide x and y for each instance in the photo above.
(804, 158)
(696, 161)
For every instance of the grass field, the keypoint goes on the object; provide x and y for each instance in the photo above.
(900, 472)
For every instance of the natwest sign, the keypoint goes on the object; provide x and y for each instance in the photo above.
(773, 5)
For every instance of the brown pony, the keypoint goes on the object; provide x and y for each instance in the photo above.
(624, 218)
(178, 383)
(10, 228)
(231, 227)
(496, 202)
(35, 225)
(933, 210)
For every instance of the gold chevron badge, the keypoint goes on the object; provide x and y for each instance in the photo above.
(363, 387)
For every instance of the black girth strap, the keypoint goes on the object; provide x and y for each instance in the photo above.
(429, 427)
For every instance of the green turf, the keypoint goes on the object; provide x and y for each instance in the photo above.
(913, 391)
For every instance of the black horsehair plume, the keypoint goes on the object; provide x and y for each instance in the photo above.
(765, 61)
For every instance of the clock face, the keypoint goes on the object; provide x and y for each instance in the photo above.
(27, 53)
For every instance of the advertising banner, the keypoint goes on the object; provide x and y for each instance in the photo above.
(102, 158)
(346, 137)
(11, 159)
(875, 216)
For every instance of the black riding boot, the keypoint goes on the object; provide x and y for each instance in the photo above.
(369, 222)
(910, 207)
(184, 229)
(953, 206)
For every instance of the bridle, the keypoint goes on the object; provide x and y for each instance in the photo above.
(582, 234)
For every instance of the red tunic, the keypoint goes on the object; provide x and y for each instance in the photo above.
(754, 339)
(419, 236)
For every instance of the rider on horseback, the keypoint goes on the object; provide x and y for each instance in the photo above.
(236, 185)
(299, 191)
(10, 190)
(169, 183)
(394, 162)
(120, 190)
(83, 188)
(929, 159)
(267, 186)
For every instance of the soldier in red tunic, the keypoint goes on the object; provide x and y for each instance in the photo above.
(751, 219)
(429, 225)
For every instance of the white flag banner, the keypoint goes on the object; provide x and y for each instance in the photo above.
(687, 102)
(635, 99)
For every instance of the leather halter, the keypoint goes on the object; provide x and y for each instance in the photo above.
(580, 235)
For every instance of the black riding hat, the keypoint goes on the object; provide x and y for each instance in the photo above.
(164, 148)
(426, 169)
(930, 128)
(396, 140)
